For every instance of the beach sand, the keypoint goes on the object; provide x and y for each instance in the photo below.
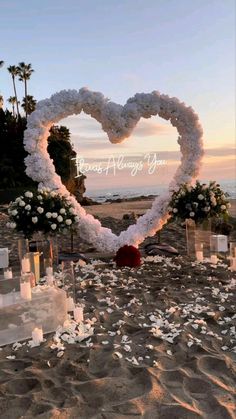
(164, 343)
(118, 209)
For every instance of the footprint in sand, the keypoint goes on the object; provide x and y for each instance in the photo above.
(172, 378)
(197, 387)
(114, 390)
(177, 412)
(13, 366)
(217, 371)
(22, 386)
(14, 407)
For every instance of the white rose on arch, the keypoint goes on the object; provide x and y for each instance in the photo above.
(118, 122)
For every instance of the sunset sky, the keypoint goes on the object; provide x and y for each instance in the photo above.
(182, 48)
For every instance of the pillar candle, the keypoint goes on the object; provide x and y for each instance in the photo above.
(49, 270)
(214, 259)
(8, 274)
(199, 256)
(78, 314)
(70, 304)
(233, 264)
(25, 290)
(50, 279)
(37, 335)
(25, 265)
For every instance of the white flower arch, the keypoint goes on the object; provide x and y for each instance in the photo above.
(118, 122)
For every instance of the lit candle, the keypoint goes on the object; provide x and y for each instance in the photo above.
(25, 265)
(78, 314)
(8, 273)
(25, 290)
(32, 280)
(49, 271)
(70, 304)
(214, 259)
(199, 256)
(37, 335)
(50, 279)
(233, 264)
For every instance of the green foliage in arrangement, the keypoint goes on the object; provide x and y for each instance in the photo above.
(41, 211)
(199, 202)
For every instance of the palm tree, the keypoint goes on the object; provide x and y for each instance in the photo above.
(13, 70)
(24, 72)
(12, 101)
(1, 97)
(28, 104)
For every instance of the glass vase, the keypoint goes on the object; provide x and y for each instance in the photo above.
(23, 248)
(68, 279)
(198, 237)
(44, 246)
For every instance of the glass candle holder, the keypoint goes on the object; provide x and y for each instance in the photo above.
(37, 334)
(25, 263)
(45, 249)
(4, 257)
(68, 279)
(25, 286)
(232, 249)
(35, 265)
(7, 272)
(199, 251)
(232, 264)
(48, 266)
(23, 248)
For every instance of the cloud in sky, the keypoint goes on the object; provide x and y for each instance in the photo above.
(146, 128)
(218, 164)
(160, 137)
(85, 125)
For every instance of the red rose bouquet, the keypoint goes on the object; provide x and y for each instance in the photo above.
(128, 256)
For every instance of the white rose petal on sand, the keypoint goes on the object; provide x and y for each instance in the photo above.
(40, 210)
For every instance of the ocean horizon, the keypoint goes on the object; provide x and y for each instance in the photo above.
(101, 195)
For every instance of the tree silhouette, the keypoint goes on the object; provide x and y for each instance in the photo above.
(24, 72)
(12, 100)
(13, 70)
(28, 104)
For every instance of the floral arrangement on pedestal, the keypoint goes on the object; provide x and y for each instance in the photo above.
(199, 202)
(41, 211)
(128, 256)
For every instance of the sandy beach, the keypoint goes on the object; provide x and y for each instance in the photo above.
(163, 346)
(118, 209)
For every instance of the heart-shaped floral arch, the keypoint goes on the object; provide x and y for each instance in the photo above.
(118, 122)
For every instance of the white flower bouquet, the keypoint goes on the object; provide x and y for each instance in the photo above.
(41, 211)
(199, 202)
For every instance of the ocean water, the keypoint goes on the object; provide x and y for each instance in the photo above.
(228, 186)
